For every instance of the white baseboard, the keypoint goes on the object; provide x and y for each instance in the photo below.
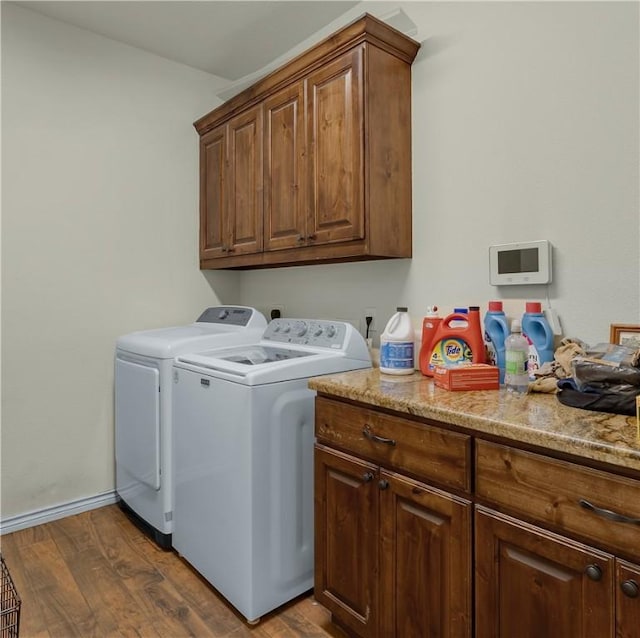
(48, 514)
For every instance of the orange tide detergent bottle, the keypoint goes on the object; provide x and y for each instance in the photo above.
(454, 344)
(430, 323)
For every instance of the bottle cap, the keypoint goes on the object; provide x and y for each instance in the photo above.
(402, 309)
(516, 326)
(533, 306)
(495, 306)
(461, 311)
(474, 308)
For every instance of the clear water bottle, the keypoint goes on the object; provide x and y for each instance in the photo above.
(516, 355)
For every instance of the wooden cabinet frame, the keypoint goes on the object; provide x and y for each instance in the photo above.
(335, 158)
(516, 534)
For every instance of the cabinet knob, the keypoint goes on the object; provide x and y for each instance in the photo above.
(593, 572)
(630, 588)
(311, 237)
(224, 249)
(367, 477)
(300, 239)
(383, 485)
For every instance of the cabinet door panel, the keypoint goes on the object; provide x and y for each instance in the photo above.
(285, 205)
(628, 600)
(336, 132)
(245, 182)
(346, 514)
(532, 583)
(425, 561)
(212, 193)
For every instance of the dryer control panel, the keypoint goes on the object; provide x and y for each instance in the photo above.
(306, 332)
(230, 315)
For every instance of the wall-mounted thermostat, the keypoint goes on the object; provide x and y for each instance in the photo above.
(526, 262)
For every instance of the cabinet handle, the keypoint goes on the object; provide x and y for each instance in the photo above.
(300, 238)
(368, 434)
(231, 250)
(612, 516)
(383, 485)
(367, 477)
(630, 588)
(224, 249)
(311, 237)
(593, 572)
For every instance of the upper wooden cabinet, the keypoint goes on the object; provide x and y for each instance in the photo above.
(313, 162)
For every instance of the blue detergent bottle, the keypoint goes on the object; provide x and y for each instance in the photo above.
(496, 331)
(539, 334)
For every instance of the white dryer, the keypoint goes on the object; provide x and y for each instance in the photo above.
(243, 464)
(143, 391)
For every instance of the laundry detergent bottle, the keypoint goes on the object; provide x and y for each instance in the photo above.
(397, 344)
(539, 335)
(430, 323)
(496, 331)
(458, 340)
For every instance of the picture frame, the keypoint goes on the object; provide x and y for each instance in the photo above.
(625, 334)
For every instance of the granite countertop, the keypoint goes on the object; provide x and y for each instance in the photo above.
(536, 419)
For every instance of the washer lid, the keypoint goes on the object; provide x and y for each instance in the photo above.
(260, 355)
(220, 328)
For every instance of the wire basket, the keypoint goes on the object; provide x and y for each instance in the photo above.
(9, 604)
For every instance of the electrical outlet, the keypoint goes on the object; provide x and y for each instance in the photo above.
(273, 311)
(554, 321)
(370, 312)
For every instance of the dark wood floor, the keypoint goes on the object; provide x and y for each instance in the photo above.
(96, 574)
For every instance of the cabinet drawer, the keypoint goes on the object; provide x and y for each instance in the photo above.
(595, 505)
(427, 452)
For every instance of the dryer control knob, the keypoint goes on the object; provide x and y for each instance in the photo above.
(318, 331)
(331, 331)
(301, 329)
(223, 314)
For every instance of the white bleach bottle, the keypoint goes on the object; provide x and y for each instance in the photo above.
(397, 344)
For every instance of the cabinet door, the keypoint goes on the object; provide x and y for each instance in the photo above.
(425, 560)
(213, 196)
(244, 209)
(285, 172)
(346, 523)
(531, 583)
(628, 600)
(335, 121)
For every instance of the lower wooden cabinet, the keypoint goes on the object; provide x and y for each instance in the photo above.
(393, 555)
(542, 547)
(627, 585)
(531, 583)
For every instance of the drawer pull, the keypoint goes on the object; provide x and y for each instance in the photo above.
(630, 588)
(367, 477)
(612, 516)
(593, 572)
(368, 434)
(383, 485)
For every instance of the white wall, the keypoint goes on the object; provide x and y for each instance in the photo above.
(525, 126)
(525, 120)
(99, 238)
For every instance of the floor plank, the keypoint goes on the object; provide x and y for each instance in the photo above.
(96, 574)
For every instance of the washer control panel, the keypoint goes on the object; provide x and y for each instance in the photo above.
(231, 315)
(307, 332)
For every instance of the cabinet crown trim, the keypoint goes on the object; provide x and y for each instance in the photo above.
(365, 29)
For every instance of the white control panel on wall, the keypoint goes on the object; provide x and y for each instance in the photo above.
(521, 263)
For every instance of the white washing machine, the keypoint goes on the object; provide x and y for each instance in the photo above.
(243, 459)
(143, 390)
